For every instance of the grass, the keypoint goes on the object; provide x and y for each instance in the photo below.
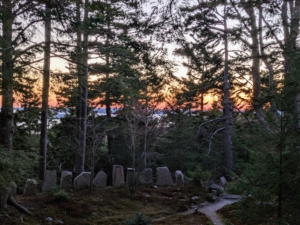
(111, 206)
(253, 212)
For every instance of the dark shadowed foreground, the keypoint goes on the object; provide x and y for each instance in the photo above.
(110, 206)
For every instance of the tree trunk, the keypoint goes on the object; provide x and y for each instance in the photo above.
(255, 68)
(110, 141)
(6, 197)
(82, 69)
(7, 115)
(227, 106)
(45, 94)
(290, 24)
(272, 91)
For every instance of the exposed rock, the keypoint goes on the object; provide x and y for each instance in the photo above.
(195, 198)
(130, 177)
(8, 198)
(214, 192)
(50, 180)
(82, 180)
(211, 198)
(203, 204)
(231, 196)
(217, 188)
(4, 194)
(30, 187)
(223, 181)
(100, 180)
(179, 178)
(66, 180)
(48, 219)
(58, 222)
(164, 177)
(147, 176)
(118, 176)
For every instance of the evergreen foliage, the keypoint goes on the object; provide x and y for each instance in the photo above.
(139, 219)
(245, 52)
(17, 166)
(60, 195)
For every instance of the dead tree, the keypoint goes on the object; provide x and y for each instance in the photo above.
(7, 198)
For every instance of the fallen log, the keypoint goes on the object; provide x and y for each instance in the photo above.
(8, 199)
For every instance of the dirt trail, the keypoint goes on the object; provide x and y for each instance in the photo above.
(209, 209)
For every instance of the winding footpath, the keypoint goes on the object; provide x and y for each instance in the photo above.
(210, 209)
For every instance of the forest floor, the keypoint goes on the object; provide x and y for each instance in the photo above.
(111, 206)
(210, 208)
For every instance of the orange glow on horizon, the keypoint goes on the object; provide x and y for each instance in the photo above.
(209, 100)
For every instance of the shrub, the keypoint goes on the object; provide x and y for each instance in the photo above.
(139, 219)
(17, 166)
(198, 174)
(60, 195)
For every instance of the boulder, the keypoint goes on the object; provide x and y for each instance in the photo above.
(30, 187)
(7, 197)
(214, 187)
(147, 176)
(179, 178)
(130, 175)
(164, 177)
(66, 180)
(118, 176)
(82, 180)
(50, 180)
(100, 180)
(223, 181)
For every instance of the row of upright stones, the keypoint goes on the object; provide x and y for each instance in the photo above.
(164, 179)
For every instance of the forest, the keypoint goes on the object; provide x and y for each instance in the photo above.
(207, 87)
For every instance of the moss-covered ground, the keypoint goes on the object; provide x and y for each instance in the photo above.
(251, 211)
(110, 206)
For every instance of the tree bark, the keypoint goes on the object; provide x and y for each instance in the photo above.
(7, 197)
(82, 70)
(227, 106)
(110, 141)
(255, 68)
(45, 94)
(269, 66)
(290, 15)
(7, 115)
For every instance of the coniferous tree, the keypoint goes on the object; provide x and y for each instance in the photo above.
(45, 93)
(203, 20)
(18, 23)
(6, 137)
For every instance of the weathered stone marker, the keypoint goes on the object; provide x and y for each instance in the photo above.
(82, 180)
(118, 176)
(164, 177)
(147, 176)
(130, 176)
(179, 178)
(30, 187)
(66, 180)
(100, 180)
(50, 180)
(223, 181)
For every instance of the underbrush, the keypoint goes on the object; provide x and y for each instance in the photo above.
(251, 211)
(111, 206)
